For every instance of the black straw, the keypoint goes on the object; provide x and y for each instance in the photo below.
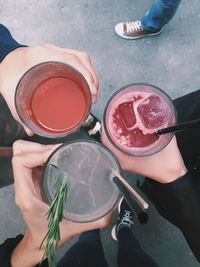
(136, 209)
(180, 127)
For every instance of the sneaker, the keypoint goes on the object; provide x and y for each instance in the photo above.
(93, 127)
(133, 30)
(124, 219)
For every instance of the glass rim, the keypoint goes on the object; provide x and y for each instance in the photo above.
(171, 135)
(46, 134)
(68, 143)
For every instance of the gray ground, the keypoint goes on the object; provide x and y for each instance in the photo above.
(170, 61)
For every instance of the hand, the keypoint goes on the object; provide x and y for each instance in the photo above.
(26, 157)
(164, 166)
(20, 60)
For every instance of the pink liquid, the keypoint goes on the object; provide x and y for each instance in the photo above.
(135, 117)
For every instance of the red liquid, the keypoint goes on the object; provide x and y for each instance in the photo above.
(135, 117)
(59, 104)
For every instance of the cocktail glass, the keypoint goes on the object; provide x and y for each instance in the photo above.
(134, 114)
(87, 168)
(53, 99)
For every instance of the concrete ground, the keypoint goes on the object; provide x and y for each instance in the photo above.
(171, 61)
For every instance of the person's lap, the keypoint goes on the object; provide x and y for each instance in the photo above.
(88, 251)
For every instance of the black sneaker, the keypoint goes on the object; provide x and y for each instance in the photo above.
(133, 30)
(124, 219)
(93, 126)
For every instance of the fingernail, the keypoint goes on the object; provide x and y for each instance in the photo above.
(29, 132)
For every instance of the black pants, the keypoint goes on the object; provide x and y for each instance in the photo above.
(88, 252)
(179, 201)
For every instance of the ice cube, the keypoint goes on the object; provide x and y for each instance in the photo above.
(138, 139)
(120, 128)
(126, 114)
(154, 112)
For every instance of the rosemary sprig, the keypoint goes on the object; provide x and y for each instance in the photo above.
(55, 216)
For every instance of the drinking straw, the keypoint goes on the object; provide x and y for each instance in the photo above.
(141, 202)
(136, 209)
(180, 127)
(6, 151)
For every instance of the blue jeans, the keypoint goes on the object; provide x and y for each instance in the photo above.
(159, 14)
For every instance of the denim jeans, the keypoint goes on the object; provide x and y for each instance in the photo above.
(159, 14)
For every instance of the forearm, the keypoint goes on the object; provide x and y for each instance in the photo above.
(7, 42)
(25, 255)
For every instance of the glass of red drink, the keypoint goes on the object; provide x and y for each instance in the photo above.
(134, 114)
(52, 99)
(87, 169)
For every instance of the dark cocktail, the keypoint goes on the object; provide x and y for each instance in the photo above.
(52, 99)
(134, 114)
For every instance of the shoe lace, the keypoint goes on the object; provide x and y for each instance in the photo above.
(133, 26)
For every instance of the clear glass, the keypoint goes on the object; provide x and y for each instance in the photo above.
(29, 83)
(117, 137)
(87, 167)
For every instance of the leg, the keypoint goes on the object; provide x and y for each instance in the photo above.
(87, 252)
(151, 23)
(130, 252)
(159, 14)
(183, 195)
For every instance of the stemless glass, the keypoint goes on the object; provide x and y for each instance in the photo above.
(141, 103)
(52, 99)
(87, 168)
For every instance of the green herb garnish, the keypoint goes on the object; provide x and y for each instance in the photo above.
(55, 216)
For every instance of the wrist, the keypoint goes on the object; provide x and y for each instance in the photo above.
(170, 175)
(11, 51)
(8, 43)
(5, 66)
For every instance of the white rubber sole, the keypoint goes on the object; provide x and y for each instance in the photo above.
(113, 231)
(134, 38)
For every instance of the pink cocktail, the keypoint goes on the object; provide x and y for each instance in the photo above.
(134, 114)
